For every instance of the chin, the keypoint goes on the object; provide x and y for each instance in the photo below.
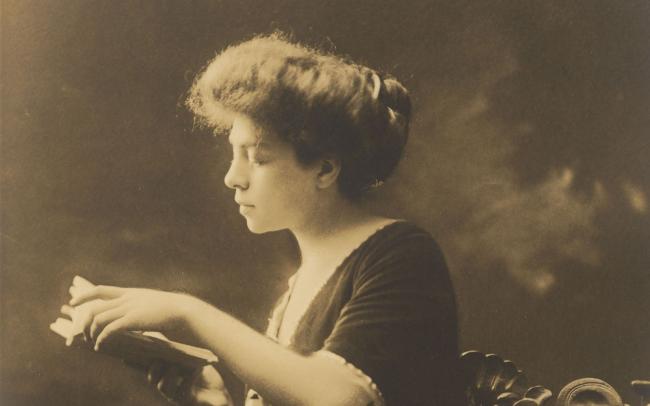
(257, 228)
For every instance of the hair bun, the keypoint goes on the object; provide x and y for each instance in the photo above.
(395, 107)
(395, 96)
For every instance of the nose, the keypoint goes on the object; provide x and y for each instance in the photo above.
(236, 177)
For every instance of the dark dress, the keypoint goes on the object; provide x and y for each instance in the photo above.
(389, 310)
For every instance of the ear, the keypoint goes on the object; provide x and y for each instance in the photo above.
(328, 173)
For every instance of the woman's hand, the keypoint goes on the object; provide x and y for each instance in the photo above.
(100, 311)
(204, 387)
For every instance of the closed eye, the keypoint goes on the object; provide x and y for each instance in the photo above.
(257, 159)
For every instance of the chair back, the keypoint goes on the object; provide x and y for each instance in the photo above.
(493, 381)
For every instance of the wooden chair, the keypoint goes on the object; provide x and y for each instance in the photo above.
(642, 388)
(588, 392)
(493, 381)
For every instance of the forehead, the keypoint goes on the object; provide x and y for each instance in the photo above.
(246, 133)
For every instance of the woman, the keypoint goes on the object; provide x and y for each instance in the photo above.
(369, 317)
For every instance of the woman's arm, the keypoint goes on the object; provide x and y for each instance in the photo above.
(280, 375)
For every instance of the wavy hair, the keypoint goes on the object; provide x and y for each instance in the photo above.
(322, 104)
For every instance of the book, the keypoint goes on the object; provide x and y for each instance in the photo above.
(137, 348)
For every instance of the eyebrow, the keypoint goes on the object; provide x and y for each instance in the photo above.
(255, 149)
(257, 144)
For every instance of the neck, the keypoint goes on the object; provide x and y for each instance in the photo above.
(328, 232)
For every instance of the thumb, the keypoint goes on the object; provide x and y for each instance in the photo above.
(206, 397)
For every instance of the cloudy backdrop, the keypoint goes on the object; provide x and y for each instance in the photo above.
(529, 160)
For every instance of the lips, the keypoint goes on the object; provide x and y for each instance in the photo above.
(245, 209)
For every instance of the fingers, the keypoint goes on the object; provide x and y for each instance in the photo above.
(68, 311)
(82, 295)
(84, 315)
(205, 397)
(119, 324)
(82, 282)
(170, 383)
(155, 372)
(210, 378)
(75, 291)
(201, 387)
(92, 308)
(186, 386)
(103, 318)
(211, 390)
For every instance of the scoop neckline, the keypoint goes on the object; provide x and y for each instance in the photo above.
(366, 241)
(379, 230)
(360, 245)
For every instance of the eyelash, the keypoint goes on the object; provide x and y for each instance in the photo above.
(254, 162)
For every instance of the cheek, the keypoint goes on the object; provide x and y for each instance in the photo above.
(295, 189)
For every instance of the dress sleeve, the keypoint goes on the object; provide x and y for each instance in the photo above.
(399, 326)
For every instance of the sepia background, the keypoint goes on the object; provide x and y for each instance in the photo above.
(529, 161)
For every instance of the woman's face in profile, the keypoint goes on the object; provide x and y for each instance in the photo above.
(273, 190)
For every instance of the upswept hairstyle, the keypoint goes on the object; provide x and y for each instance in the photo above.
(322, 104)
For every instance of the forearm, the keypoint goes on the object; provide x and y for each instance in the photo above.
(280, 375)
